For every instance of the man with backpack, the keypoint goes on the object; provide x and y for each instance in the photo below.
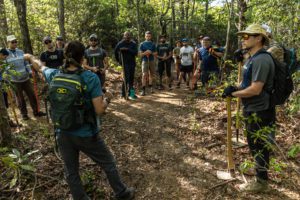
(20, 78)
(95, 59)
(76, 99)
(52, 57)
(125, 53)
(148, 52)
(255, 92)
(164, 55)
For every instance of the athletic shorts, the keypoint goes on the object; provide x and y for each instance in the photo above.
(148, 66)
(186, 69)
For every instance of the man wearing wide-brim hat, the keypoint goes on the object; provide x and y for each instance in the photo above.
(254, 90)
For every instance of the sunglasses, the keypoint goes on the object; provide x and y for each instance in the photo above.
(48, 42)
(247, 36)
(94, 40)
(14, 42)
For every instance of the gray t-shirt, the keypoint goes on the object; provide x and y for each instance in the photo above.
(263, 70)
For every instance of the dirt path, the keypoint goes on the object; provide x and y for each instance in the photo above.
(168, 145)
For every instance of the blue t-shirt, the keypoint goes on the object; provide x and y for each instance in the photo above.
(209, 62)
(148, 45)
(93, 90)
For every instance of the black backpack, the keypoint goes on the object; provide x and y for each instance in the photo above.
(66, 97)
(283, 83)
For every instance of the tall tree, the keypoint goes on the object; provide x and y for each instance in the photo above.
(3, 24)
(138, 18)
(61, 18)
(230, 8)
(21, 8)
(242, 8)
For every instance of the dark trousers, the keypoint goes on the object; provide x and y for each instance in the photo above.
(129, 77)
(95, 148)
(207, 75)
(260, 147)
(162, 66)
(101, 77)
(28, 89)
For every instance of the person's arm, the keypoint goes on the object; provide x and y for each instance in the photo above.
(36, 64)
(254, 89)
(117, 52)
(87, 67)
(100, 104)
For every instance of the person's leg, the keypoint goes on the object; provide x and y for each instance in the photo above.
(96, 149)
(181, 75)
(169, 73)
(160, 72)
(260, 147)
(70, 157)
(20, 99)
(103, 76)
(28, 88)
(145, 70)
(151, 74)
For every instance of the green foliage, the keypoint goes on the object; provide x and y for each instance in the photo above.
(246, 166)
(15, 164)
(294, 151)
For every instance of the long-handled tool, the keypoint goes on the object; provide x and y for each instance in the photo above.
(124, 76)
(229, 156)
(238, 106)
(13, 106)
(35, 90)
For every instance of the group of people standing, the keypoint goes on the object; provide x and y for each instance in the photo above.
(258, 79)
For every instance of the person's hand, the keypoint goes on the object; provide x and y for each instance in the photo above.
(123, 49)
(239, 55)
(228, 91)
(211, 50)
(95, 69)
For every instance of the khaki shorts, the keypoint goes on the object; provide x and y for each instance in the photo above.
(148, 66)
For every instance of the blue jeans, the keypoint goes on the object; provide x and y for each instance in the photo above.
(95, 148)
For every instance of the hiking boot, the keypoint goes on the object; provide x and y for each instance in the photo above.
(178, 85)
(25, 117)
(39, 114)
(170, 87)
(128, 194)
(143, 93)
(160, 87)
(257, 186)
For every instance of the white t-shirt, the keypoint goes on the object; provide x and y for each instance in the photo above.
(186, 54)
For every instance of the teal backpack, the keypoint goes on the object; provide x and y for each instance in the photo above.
(66, 97)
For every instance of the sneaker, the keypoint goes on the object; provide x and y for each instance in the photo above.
(170, 87)
(25, 117)
(128, 194)
(160, 87)
(257, 186)
(143, 93)
(39, 114)
(178, 85)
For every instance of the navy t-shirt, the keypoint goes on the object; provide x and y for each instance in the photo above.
(95, 57)
(209, 62)
(163, 49)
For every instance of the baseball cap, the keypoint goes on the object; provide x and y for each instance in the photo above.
(10, 38)
(59, 38)
(184, 40)
(206, 38)
(93, 36)
(47, 38)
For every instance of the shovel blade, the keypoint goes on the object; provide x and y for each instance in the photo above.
(224, 175)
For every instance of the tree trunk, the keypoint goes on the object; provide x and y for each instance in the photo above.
(228, 29)
(22, 13)
(242, 8)
(182, 21)
(61, 18)
(3, 24)
(5, 132)
(138, 20)
(206, 12)
(173, 22)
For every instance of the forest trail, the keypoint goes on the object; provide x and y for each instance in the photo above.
(168, 145)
